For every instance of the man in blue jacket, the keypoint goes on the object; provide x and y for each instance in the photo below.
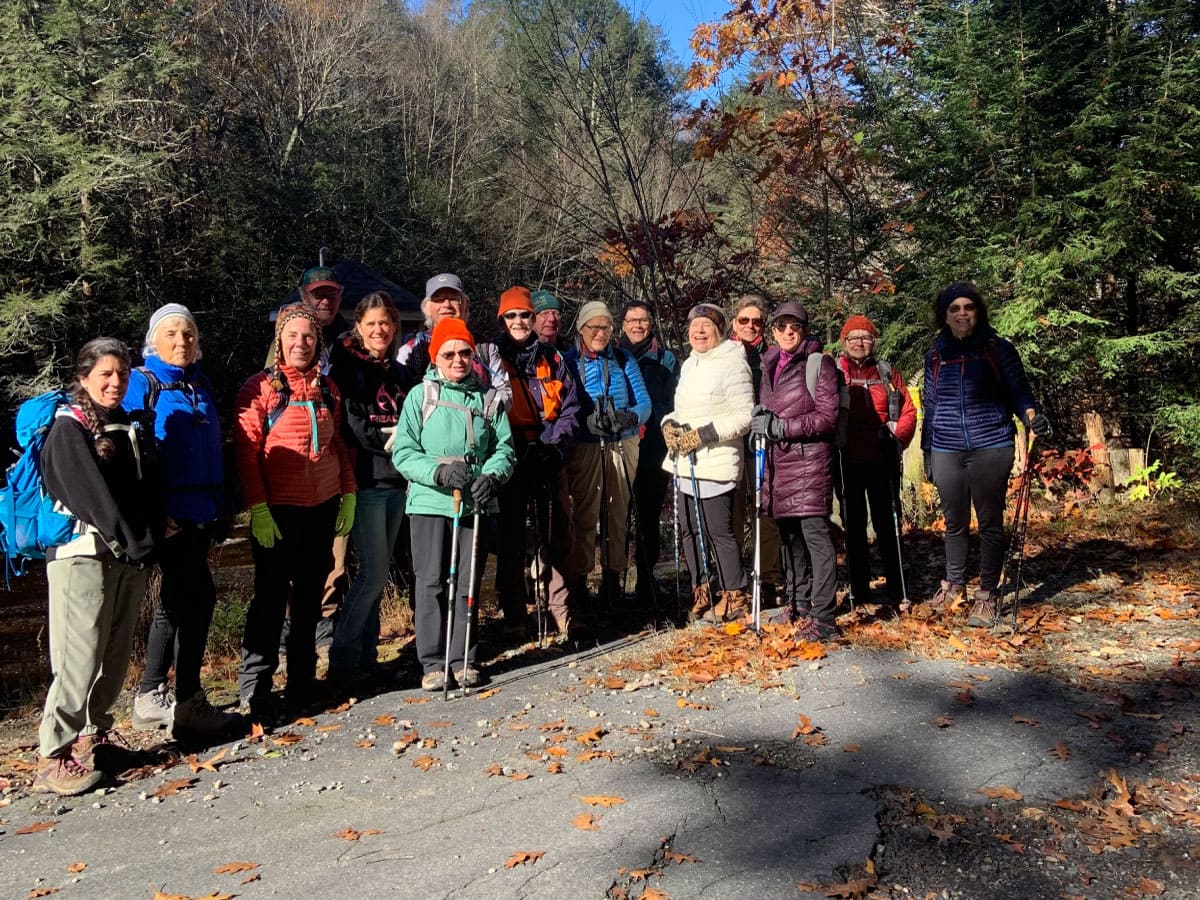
(614, 404)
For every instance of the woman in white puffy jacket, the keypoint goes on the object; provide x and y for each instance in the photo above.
(704, 440)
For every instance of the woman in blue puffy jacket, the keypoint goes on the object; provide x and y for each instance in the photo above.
(179, 400)
(975, 385)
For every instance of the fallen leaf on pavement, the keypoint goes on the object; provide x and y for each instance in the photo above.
(650, 713)
(519, 776)
(305, 721)
(594, 754)
(288, 737)
(350, 834)
(171, 788)
(524, 858)
(490, 692)
(585, 821)
(383, 720)
(945, 720)
(652, 893)
(364, 744)
(600, 800)
(208, 765)
(43, 892)
(671, 856)
(558, 751)
(1148, 888)
(851, 748)
(1025, 720)
(76, 868)
(1061, 750)
(333, 726)
(804, 727)
(249, 879)
(590, 737)
(1001, 793)
(554, 768)
(413, 701)
(425, 763)
(614, 683)
(234, 867)
(37, 826)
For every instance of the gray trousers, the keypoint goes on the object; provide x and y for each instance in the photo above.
(94, 603)
(431, 568)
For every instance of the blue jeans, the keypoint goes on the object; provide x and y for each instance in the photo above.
(377, 519)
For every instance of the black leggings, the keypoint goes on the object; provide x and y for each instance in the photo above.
(724, 557)
(179, 630)
(976, 478)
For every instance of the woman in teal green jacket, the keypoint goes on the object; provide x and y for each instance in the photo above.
(444, 444)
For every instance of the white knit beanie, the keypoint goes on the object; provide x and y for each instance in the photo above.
(593, 309)
(167, 311)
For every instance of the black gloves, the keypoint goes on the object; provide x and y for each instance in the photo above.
(764, 423)
(1040, 425)
(626, 418)
(599, 424)
(455, 474)
(484, 489)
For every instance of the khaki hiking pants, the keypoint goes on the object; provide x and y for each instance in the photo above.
(584, 479)
(94, 603)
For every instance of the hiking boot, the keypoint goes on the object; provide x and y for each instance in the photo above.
(948, 597)
(562, 621)
(466, 678)
(153, 709)
(261, 710)
(106, 751)
(814, 630)
(983, 610)
(196, 716)
(65, 775)
(700, 602)
(731, 605)
(433, 681)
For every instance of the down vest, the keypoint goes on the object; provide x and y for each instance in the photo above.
(973, 388)
(799, 477)
(714, 388)
(302, 459)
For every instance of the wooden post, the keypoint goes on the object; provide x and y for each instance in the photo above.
(1093, 427)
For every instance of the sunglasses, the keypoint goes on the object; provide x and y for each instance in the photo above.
(449, 355)
(521, 314)
(790, 326)
(747, 320)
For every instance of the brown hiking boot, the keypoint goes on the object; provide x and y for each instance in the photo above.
(731, 605)
(983, 611)
(700, 601)
(948, 597)
(65, 775)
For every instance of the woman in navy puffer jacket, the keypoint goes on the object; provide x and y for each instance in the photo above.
(188, 437)
(974, 386)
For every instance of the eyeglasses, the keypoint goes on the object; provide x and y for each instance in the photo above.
(597, 329)
(748, 320)
(790, 326)
(961, 308)
(522, 314)
(637, 321)
(551, 312)
(859, 339)
(451, 355)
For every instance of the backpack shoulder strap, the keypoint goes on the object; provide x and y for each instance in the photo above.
(812, 372)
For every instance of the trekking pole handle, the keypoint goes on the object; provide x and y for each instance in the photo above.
(457, 502)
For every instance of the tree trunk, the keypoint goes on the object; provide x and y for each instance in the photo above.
(1093, 427)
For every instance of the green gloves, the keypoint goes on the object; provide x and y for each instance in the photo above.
(345, 516)
(262, 526)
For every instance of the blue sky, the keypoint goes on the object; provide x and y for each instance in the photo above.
(679, 18)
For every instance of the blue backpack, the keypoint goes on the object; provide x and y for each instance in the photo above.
(31, 521)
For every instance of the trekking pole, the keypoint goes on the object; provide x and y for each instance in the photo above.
(1021, 524)
(639, 546)
(700, 534)
(535, 567)
(675, 540)
(896, 527)
(841, 470)
(1016, 542)
(760, 460)
(451, 589)
(470, 598)
(604, 555)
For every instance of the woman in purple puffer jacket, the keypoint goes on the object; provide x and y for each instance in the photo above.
(799, 427)
(974, 387)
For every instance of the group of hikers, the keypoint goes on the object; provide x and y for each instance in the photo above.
(572, 443)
